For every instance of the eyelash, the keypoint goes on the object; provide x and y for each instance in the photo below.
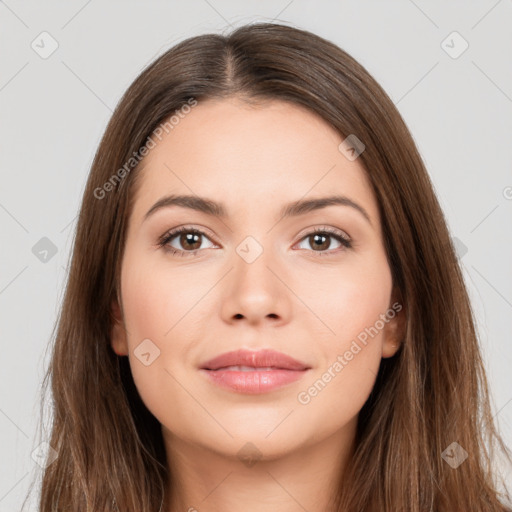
(167, 237)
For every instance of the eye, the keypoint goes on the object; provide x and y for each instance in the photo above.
(188, 238)
(319, 239)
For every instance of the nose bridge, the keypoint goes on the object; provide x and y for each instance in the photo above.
(255, 292)
(252, 259)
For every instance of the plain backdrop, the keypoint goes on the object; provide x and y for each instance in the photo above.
(446, 65)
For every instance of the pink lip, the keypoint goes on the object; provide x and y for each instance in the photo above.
(284, 370)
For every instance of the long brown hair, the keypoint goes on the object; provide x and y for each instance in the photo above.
(432, 393)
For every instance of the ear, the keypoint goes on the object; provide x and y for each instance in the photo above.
(394, 329)
(118, 339)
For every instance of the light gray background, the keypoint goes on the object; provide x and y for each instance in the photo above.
(53, 112)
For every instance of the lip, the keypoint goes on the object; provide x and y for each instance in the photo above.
(285, 370)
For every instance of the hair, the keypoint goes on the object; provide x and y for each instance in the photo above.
(432, 393)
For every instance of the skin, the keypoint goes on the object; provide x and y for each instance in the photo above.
(254, 159)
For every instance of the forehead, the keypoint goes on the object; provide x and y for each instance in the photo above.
(243, 155)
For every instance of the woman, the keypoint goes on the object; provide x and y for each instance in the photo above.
(264, 308)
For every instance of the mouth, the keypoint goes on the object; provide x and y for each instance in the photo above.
(252, 372)
(246, 359)
(247, 368)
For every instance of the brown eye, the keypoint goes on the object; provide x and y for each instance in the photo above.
(321, 243)
(189, 241)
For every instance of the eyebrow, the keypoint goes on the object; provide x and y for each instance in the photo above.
(293, 209)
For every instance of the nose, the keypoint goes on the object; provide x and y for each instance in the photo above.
(256, 291)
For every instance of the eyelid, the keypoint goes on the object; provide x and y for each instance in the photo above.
(163, 241)
(186, 227)
(345, 241)
(324, 229)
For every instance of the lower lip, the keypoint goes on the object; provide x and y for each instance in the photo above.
(255, 382)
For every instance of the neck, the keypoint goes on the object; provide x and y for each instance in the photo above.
(204, 480)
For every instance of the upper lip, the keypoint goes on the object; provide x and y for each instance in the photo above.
(256, 359)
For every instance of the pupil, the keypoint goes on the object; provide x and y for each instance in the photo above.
(321, 246)
(190, 239)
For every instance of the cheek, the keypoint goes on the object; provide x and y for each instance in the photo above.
(352, 303)
(160, 307)
(156, 300)
(349, 298)
(336, 393)
(151, 309)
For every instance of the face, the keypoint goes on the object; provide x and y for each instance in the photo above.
(314, 284)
